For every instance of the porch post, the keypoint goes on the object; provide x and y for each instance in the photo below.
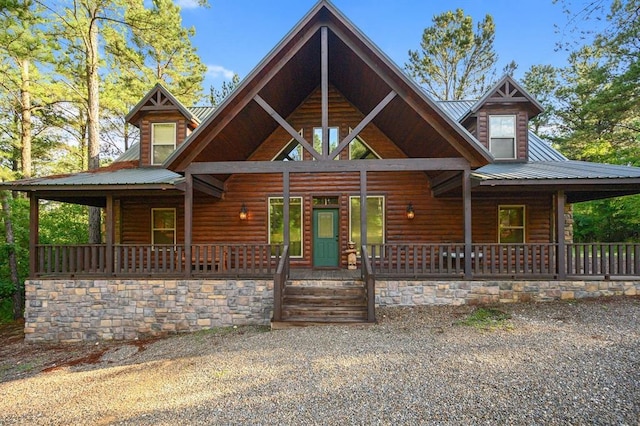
(34, 229)
(466, 196)
(560, 229)
(363, 207)
(188, 223)
(109, 237)
(286, 232)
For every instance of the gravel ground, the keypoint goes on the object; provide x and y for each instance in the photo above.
(555, 363)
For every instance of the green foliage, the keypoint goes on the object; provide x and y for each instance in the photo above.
(611, 220)
(487, 319)
(217, 96)
(456, 62)
(6, 311)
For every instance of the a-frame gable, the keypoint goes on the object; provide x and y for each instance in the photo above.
(505, 92)
(325, 48)
(159, 99)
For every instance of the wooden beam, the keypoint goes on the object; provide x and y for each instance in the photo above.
(188, 223)
(466, 197)
(205, 188)
(109, 229)
(389, 165)
(560, 229)
(285, 125)
(34, 227)
(365, 121)
(216, 183)
(324, 83)
(286, 231)
(443, 177)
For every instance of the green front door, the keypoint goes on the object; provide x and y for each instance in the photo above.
(325, 238)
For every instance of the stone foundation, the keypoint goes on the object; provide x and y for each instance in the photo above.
(80, 310)
(77, 310)
(416, 293)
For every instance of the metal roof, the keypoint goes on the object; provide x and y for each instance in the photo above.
(131, 154)
(553, 170)
(201, 112)
(135, 176)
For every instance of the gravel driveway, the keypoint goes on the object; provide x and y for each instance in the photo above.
(555, 363)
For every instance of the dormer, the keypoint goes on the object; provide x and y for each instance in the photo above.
(500, 120)
(164, 124)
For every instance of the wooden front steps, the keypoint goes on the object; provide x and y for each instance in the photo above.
(322, 302)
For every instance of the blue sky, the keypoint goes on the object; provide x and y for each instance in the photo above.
(234, 35)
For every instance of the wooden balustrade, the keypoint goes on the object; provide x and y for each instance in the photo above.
(250, 260)
(597, 260)
(603, 259)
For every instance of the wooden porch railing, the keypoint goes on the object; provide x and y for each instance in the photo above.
(231, 260)
(369, 279)
(280, 280)
(533, 261)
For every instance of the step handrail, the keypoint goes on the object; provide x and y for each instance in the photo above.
(370, 285)
(279, 280)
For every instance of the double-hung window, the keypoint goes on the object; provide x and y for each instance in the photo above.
(375, 220)
(276, 224)
(163, 141)
(502, 136)
(163, 226)
(511, 224)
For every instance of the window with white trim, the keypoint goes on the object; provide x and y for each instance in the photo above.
(163, 226)
(511, 224)
(375, 220)
(276, 225)
(502, 136)
(163, 141)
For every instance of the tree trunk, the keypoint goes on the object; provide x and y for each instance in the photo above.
(18, 300)
(25, 134)
(93, 118)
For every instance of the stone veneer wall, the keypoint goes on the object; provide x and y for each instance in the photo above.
(76, 310)
(416, 293)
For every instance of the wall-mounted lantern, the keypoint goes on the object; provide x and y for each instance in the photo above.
(410, 211)
(243, 212)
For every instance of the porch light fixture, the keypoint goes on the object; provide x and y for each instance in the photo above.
(243, 212)
(410, 212)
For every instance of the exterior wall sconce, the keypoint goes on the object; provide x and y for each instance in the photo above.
(243, 212)
(410, 212)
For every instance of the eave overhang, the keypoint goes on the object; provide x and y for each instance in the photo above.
(357, 68)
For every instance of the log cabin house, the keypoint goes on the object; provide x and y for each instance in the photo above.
(464, 204)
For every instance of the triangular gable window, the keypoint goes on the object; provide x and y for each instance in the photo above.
(291, 152)
(359, 150)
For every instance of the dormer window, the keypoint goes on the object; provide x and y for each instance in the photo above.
(163, 141)
(502, 136)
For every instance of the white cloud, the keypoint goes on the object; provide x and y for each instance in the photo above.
(187, 4)
(218, 71)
